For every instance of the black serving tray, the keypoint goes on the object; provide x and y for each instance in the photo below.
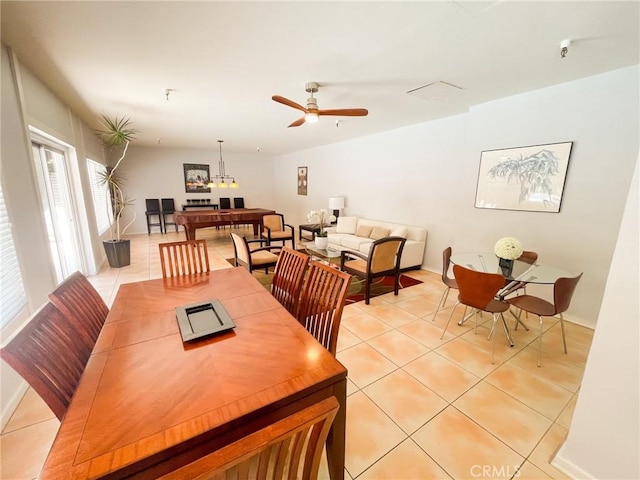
(201, 319)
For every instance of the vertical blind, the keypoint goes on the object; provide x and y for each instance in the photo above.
(12, 296)
(101, 201)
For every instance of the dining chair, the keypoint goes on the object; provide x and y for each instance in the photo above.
(276, 230)
(256, 258)
(153, 210)
(168, 208)
(225, 202)
(238, 202)
(478, 290)
(50, 352)
(289, 448)
(184, 258)
(321, 303)
(563, 290)
(527, 257)
(383, 259)
(448, 281)
(288, 278)
(76, 297)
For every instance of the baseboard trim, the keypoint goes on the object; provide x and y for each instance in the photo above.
(569, 468)
(12, 404)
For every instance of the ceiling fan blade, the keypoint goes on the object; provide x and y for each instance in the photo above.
(345, 112)
(298, 122)
(289, 103)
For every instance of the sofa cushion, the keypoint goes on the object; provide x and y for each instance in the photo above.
(399, 232)
(355, 243)
(347, 225)
(363, 231)
(378, 232)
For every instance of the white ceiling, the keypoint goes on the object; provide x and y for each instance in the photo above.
(224, 60)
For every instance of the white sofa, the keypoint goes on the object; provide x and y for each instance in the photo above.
(353, 233)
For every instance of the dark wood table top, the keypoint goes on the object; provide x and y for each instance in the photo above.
(147, 400)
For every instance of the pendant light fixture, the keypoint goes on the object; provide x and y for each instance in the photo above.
(222, 175)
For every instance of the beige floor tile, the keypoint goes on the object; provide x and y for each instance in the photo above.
(528, 471)
(469, 356)
(419, 306)
(370, 434)
(365, 364)
(24, 451)
(391, 315)
(405, 462)
(365, 326)
(425, 332)
(30, 410)
(441, 375)
(532, 390)
(516, 424)
(566, 415)
(464, 449)
(546, 450)
(351, 387)
(397, 347)
(346, 338)
(411, 405)
(553, 369)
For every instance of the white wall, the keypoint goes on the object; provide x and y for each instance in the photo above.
(604, 438)
(426, 175)
(152, 172)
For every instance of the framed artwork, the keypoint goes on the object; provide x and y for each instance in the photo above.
(196, 178)
(523, 178)
(302, 180)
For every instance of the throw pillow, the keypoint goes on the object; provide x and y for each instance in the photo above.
(378, 232)
(399, 232)
(363, 231)
(347, 225)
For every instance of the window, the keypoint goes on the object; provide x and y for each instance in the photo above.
(101, 201)
(12, 296)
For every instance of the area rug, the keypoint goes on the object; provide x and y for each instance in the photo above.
(379, 286)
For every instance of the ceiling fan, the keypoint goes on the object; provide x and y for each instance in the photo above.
(312, 113)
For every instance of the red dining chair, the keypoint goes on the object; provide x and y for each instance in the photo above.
(563, 290)
(478, 291)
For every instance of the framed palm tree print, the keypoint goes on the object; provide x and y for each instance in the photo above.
(523, 178)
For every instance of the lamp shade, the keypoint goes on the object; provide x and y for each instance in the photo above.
(336, 203)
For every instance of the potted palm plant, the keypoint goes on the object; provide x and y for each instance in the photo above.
(116, 135)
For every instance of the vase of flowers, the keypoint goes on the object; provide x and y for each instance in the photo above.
(507, 249)
(322, 217)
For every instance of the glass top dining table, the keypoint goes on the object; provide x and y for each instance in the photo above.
(522, 271)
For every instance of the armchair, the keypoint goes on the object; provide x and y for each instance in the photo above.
(262, 257)
(275, 229)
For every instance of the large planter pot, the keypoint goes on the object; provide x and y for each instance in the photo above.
(322, 242)
(118, 252)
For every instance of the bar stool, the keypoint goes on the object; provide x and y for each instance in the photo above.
(153, 209)
(168, 207)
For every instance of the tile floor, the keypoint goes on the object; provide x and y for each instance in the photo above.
(418, 407)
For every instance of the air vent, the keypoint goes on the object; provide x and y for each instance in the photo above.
(436, 91)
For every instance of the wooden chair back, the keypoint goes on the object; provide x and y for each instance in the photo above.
(290, 448)
(76, 297)
(225, 202)
(51, 355)
(184, 258)
(446, 263)
(563, 291)
(288, 278)
(321, 303)
(477, 289)
(528, 257)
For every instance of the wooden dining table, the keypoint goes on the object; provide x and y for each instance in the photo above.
(149, 403)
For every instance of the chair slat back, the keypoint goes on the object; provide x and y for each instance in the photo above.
(322, 301)
(563, 292)
(288, 278)
(50, 355)
(477, 289)
(290, 448)
(76, 297)
(184, 258)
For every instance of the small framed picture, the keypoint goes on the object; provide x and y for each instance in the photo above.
(302, 180)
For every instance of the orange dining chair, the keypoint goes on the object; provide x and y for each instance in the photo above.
(563, 290)
(76, 297)
(321, 303)
(289, 448)
(288, 278)
(448, 281)
(184, 258)
(50, 352)
(478, 290)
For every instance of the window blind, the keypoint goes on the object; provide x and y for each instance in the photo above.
(12, 295)
(101, 201)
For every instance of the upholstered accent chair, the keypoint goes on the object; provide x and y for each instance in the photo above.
(276, 230)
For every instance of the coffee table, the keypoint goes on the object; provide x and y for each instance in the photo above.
(322, 254)
(309, 227)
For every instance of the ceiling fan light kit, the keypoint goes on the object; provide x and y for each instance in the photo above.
(312, 113)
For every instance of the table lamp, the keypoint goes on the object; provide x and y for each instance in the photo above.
(336, 204)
